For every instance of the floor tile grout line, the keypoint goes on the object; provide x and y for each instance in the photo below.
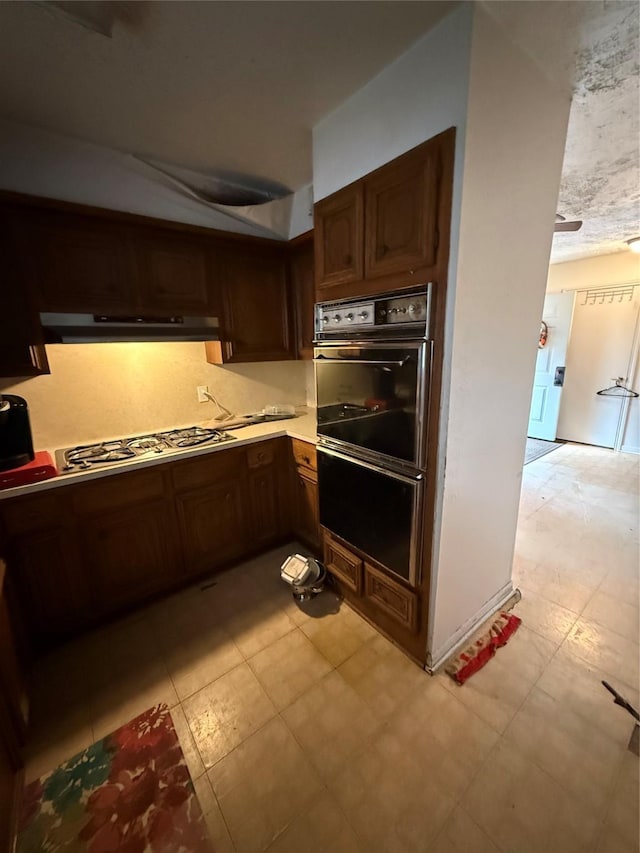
(609, 803)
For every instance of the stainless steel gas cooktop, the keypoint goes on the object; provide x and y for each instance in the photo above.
(118, 450)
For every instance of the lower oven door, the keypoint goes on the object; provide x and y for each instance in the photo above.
(376, 510)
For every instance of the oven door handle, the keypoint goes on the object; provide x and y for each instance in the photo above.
(400, 363)
(395, 475)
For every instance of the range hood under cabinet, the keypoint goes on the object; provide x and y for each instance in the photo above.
(102, 328)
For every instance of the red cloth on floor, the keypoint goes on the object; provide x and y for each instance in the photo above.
(477, 655)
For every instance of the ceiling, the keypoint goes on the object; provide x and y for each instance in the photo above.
(209, 85)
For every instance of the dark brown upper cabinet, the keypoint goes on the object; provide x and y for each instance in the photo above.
(303, 295)
(175, 273)
(78, 263)
(390, 229)
(256, 317)
(338, 222)
(400, 215)
(22, 351)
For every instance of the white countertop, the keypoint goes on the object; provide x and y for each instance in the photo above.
(303, 427)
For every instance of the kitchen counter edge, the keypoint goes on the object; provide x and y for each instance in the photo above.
(304, 428)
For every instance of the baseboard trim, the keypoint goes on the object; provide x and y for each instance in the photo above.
(460, 637)
(627, 448)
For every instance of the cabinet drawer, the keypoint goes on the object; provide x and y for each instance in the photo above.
(396, 601)
(119, 490)
(343, 564)
(205, 470)
(262, 453)
(22, 516)
(305, 454)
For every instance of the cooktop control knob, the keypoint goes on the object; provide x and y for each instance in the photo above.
(337, 318)
(348, 317)
(325, 319)
(412, 308)
(363, 315)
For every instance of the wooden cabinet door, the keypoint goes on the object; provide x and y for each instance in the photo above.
(344, 565)
(266, 484)
(398, 602)
(50, 583)
(256, 316)
(22, 352)
(213, 525)
(306, 508)
(129, 554)
(78, 263)
(401, 202)
(264, 501)
(174, 274)
(303, 288)
(338, 225)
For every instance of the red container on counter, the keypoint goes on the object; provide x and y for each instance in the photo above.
(40, 468)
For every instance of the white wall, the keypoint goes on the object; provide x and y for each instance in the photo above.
(516, 128)
(616, 268)
(419, 95)
(99, 391)
(601, 271)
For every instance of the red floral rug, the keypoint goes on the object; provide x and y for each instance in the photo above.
(130, 792)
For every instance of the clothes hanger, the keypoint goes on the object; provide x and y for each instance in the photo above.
(617, 390)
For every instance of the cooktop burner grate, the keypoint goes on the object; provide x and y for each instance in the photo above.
(87, 456)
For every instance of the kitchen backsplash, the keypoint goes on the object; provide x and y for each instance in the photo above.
(98, 391)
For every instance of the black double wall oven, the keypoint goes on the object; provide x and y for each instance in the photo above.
(373, 367)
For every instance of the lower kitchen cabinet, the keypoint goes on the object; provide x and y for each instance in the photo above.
(83, 552)
(343, 565)
(266, 482)
(50, 582)
(212, 525)
(390, 605)
(305, 509)
(129, 555)
(394, 599)
(209, 496)
(47, 577)
(13, 705)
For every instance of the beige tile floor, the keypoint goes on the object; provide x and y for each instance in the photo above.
(312, 733)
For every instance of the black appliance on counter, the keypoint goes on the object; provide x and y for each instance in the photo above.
(16, 443)
(373, 366)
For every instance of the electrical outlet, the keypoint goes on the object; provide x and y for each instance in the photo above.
(202, 390)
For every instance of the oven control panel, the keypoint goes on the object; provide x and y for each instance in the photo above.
(337, 317)
(355, 317)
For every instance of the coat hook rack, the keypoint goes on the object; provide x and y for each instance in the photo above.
(617, 390)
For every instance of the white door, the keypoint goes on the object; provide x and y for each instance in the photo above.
(547, 392)
(602, 340)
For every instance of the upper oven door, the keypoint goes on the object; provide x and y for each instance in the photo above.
(372, 399)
